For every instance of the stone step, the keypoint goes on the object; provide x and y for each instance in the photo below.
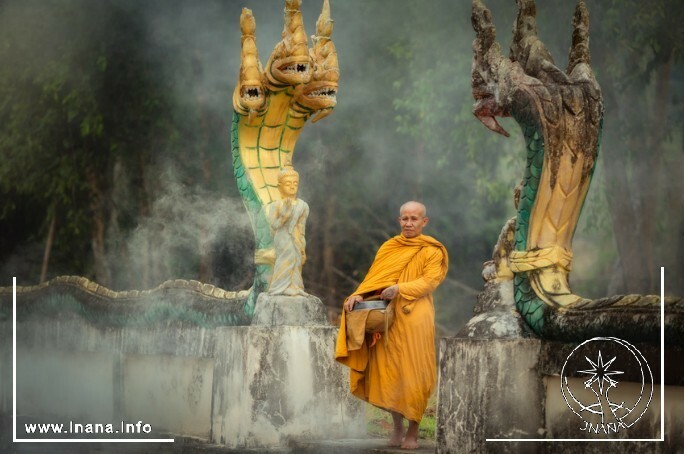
(190, 446)
(360, 446)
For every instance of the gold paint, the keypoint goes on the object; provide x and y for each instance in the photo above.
(556, 210)
(268, 132)
(287, 218)
(265, 257)
(524, 261)
(502, 251)
(250, 75)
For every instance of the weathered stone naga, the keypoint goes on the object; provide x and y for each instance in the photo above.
(560, 114)
(271, 106)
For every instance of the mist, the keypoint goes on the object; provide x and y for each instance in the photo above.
(402, 130)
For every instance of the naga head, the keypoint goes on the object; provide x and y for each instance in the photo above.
(487, 71)
(498, 83)
(249, 96)
(320, 95)
(290, 63)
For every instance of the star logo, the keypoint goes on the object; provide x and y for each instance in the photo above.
(600, 373)
(589, 378)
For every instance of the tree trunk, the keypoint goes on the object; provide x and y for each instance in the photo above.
(144, 278)
(635, 203)
(649, 175)
(98, 237)
(205, 268)
(633, 278)
(327, 270)
(48, 248)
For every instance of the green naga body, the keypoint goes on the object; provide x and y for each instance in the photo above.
(560, 114)
(271, 107)
(528, 304)
(179, 300)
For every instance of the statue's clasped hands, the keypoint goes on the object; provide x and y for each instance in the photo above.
(387, 294)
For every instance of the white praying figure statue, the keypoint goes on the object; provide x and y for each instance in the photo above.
(287, 218)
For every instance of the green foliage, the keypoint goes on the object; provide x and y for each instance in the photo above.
(379, 422)
(86, 105)
(104, 104)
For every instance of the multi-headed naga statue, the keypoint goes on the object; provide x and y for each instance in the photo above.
(560, 114)
(271, 108)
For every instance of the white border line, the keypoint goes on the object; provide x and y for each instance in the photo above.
(14, 399)
(663, 338)
(14, 359)
(94, 440)
(663, 350)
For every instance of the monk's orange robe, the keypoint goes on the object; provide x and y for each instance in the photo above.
(401, 375)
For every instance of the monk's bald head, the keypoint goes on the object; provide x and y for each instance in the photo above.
(412, 219)
(413, 205)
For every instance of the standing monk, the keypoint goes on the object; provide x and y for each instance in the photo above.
(399, 375)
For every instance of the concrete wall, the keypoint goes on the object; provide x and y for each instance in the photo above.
(245, 386)
(78, 386)
(510, 388)
(488, 389)
(562, 425)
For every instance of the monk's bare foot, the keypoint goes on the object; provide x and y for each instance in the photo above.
(411, 440)
(395, 440)
(397, 430)
(409, 443)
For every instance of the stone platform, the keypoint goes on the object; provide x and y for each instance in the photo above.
(511, 389)
(281, 310)
(499, 382)
(240, 387)
(195, 446)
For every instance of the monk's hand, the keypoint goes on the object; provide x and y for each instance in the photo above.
(390, 292)
(351, 301)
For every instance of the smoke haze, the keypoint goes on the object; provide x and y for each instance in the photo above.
(402, 129)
